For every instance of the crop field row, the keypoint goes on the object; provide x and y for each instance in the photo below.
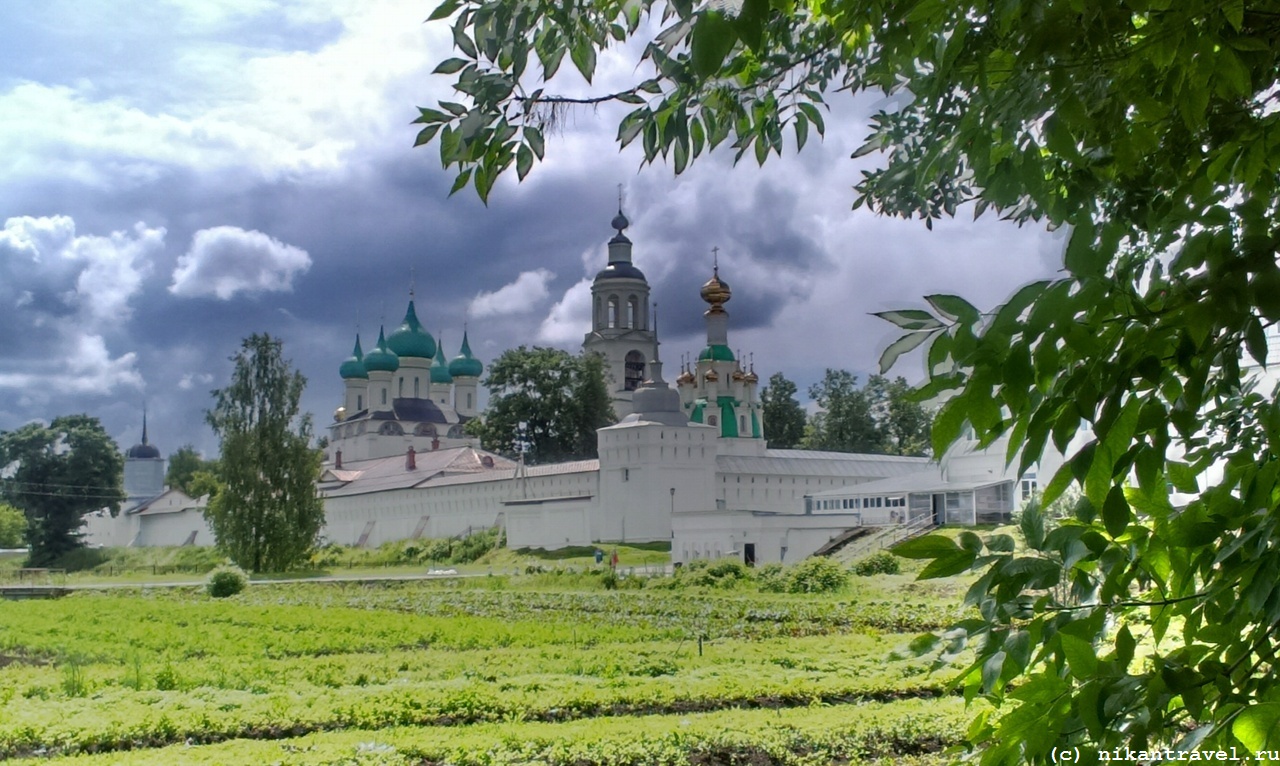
(912, 733)
(145, 671)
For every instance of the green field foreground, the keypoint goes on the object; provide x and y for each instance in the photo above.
(484, 671)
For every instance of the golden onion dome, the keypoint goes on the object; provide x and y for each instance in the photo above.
(715, 291)
(711, 376)
(340, 414)
(739, 375)
(685, 378)
(752, 377)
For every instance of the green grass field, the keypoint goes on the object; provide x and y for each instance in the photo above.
(548, 667)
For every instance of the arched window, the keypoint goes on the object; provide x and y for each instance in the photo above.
(415, 387)
(613, 312)
(359, 402)
(455, 432)
(384, 396)
(711, 420)
(400, 389)
(424, 429)
(742, 423)
(391, 428)
(633, 312)
(634, 370)
(469, 400)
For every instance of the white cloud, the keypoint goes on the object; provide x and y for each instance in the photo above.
(188, 381)
(570, 319)
(68, 291)
(227, 260)
(237, 106)
(521, 296)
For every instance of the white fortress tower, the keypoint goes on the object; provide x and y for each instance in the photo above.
(621, 330)
(654, 464)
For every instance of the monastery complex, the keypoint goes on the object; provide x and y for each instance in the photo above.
(688, 461)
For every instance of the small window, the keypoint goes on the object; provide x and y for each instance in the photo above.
(634, 370)
(468, 401)
(400, 388)
(384, 396)
(359, 402)
(416, 394)
(626, 474)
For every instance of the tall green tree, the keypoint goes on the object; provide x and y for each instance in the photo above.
(1149, 131)
(905, 423)
(185, 463)
(562, 399)
(844, 422)
(267, 515)
(59, 473)
(784, 418)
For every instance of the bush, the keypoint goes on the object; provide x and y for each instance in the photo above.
(771, 578)
(817, 575)
(226, 581)
(883, 562)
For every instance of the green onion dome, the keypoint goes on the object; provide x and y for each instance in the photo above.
(716, 353)
(380, 359)
(464, 365)
(439, 369)
(409, 339)
(354, 366)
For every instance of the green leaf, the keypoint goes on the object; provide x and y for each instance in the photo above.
(449, 66)
(583, 55)
(1084, 257)
(426, 134)
(444, 9)
(814, 116)
(927, 547)
(948, 566)
(955, 307)
(533, 137)
(1080, 655)
(460, 182)
(524, 161)
(899, 347)
(1258, 726)
(910, 319)
(713, 37)
(1115, 512)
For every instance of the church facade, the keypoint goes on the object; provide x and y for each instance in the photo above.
(404, 395)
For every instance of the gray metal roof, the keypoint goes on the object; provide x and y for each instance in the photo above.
(844, 465)
(388, 473)
(920, 482)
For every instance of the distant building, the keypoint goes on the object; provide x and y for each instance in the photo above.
(151, 514)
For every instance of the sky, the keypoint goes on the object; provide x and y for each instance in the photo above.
(176, 175)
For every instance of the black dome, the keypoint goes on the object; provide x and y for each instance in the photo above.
(620, 270)
(142, 451)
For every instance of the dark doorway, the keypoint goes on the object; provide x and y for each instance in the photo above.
(749, 554)
(939, 504)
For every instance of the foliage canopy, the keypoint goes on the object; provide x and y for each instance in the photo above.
(266, 514)
(1151, 130)
(562, 399)
(184, 465)
(783, 415)
(60, 472)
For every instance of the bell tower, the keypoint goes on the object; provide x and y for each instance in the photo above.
(621, 328)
